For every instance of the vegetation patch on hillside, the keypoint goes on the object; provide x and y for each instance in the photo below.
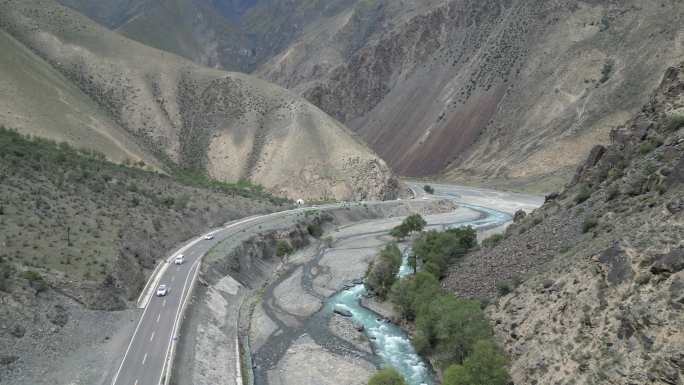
(69, 216)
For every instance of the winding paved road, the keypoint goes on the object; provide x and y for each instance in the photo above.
(151, 347)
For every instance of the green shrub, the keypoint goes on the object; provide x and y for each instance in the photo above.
(485, 366)
(646, 147)
(399, 232)
(168, 202)
(606, 71)
(507, 286)
(492, 240)
(6, 271)
(675, 121)
(181, 202)
(612, 192)
(589, 224)
(438, 250)
(383, 271)
(315, 230)
(35, 280)
(451, 326)
(409, 293)
(429, 189)
(387, 376)
(504, 287)
(583, 194)
(283, 248)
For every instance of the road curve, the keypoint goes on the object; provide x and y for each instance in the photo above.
(150, 349)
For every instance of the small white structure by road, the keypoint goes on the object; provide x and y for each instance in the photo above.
(300, 202)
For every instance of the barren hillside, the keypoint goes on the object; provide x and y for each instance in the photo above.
(484, 90)
(233, 126)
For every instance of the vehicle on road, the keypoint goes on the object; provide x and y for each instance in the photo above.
(179, 259)
(209, 237)
(162, 291)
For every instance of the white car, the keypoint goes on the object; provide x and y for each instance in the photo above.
(179, 259)
(162, 290)
(209, 237)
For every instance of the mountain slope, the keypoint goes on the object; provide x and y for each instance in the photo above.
(233, 126)
(228, 34)
(601, 263)
(38, 100)
(502, 90)
(80, 236)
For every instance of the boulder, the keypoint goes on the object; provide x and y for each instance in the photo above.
(677, 293)
(675, 206)
(616, 264)
(18, 331)
(551, 197)
(519, 216)
(594, 157)
(343, 311)
(669, 263)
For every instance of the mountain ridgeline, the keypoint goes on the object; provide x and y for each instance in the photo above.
(505, 92)
(73, 80)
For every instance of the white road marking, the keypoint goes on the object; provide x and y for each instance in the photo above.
(173, 278)
(136, 382)
(152, 336)
(144, 359)
(158, 317)
(164, 303)
(135, 332)
(177, 319)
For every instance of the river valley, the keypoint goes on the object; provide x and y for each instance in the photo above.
(297, 335)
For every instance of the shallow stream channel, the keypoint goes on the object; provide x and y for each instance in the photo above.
(391, 344)
(295, 337)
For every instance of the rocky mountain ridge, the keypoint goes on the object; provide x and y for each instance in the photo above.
(591, 285)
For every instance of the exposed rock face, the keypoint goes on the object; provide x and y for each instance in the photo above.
(504, 89)
(230, 125)
(602, 276)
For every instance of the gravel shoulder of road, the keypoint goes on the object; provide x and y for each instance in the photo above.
(210, 328)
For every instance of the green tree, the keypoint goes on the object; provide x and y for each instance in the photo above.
(387, 376)
(283, 248)
(438, 250)
(383, 271)
(400, 232)
(413, 223)
(485, 366)
(409, 293)
(448, 327)
(429, 189)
